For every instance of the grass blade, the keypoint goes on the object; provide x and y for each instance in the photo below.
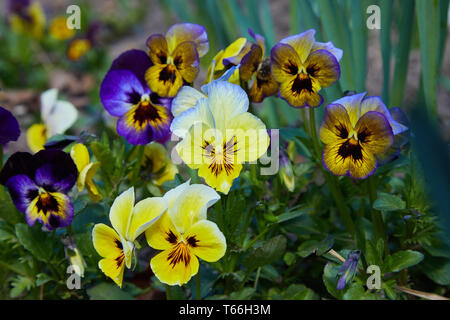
(385, 41)
(359, 43)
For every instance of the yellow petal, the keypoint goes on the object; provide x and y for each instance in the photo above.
(191, 206)
(36, 137)
(207, 241)
(374, 132)
(219, 178)
(80, 155)
(302, 43)
(179, 33)
(145, 213)
(59, 30)
(164, 79)
(286, 63)
(158, 50)
(121, 210)
(106, 241)
(171, 273)
(185, 58)
(91, 188)
(162, 234)
(336, 124)
(113, 269)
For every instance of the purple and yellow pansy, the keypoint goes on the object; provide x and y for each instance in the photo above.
(254, 62)
(175, 57)
(143, 115)
(355, 131)
(303, 67)
(27, 17)
(9, 127)
(39, 184)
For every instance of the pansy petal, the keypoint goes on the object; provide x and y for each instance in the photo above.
(145, 213)
(9, 127)
(106, 241)
(363, 168)
(162, 234)
(191, 206)
(301, 94)
(179, 33)
(302, 43)
(158, 50)
(120, 89)
(250, 62)
(333, 161)
(18, 163)
(353, 106)
(191, 148)
(48, 100)
(91, 188)
(36, 137)
(374, 132)
(185, 58)
(376, 104)
(329, 46)
(53, 210)
(164, 79)
(263, 88)
(218, 178)
(80, 156)
(121, 210)
(285, 62)
(23, 190)
(186, 98)
(174, 273)
(172, 195)
(113, 269)
(207, 241)
(61, 117)
(323, 66)
(335, 125)
(136, 61)
(200, 114)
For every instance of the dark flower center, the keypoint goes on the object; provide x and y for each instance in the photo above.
(351, 148)
(168, 73)
(47, 203)
(302, 82)
(146, 112)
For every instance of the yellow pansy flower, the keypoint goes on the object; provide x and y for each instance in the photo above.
(116, 245)
(183, 234)
(224, 59)
(86, 170)
(59, 29)
(78, 48)
(57, 115)
(157, 160)
(219, 135)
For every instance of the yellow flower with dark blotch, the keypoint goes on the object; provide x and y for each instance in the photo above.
(219, 135)
(183, 234)
(175, 57)
(116, 246)
(303, 67)
(355, 131)
(59, 29)
(229, 57)
(57, 115)
(86, 170)
(158, 162)
(27, 18)
(78, 48)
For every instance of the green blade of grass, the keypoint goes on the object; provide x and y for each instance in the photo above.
(309, 18)
(267, 22)
(385, 42)
(428, 22)
(443, 29)
(402, 54)
(336, 30)
(359, 43)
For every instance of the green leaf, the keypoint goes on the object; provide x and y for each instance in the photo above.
(293, 214)
(20, 284)
(35, 241)
(330, 279)
(42, 278)
(8, 211)
(314, 246)
(272, 250)
(108, 291)
(437, 269)
(357, 292)
(289, 258)
(244, 294)
(388, 202)
(298, 292)
(402, 260)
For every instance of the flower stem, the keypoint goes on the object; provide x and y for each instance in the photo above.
(198, 291)
(338, 197)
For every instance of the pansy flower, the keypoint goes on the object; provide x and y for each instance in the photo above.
(57, 115)
(303, 67)
(80, 45)
(175, 57)
(356, 130)
(86, 171)
(183, 234)
(59, 30)
(9, 127)
(116, 246)
(27, 17)
(347, 271)
(254, 62)
(157, 163)
(143, 115)
(227, 58)
(39, 184)
(219, 135)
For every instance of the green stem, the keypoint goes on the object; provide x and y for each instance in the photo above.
(377, 218)
(338, 197)
(198, 291)
(168, 293)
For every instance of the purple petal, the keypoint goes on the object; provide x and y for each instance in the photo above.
(18, 163)
(23, 190)
(119, 90)
(9, 127)
(136, 61)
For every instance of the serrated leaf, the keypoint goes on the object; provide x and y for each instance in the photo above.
(388, 202)
(19, 285)
(35, 241)
(402, 260)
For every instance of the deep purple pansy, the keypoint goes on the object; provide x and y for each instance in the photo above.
(143, 115)
(39, 184)
(9, 127)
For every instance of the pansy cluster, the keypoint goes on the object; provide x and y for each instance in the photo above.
(152, 96)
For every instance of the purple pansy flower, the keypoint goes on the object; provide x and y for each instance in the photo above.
(9, 127)
(39, 184)
(143, 115)
(348, 269)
